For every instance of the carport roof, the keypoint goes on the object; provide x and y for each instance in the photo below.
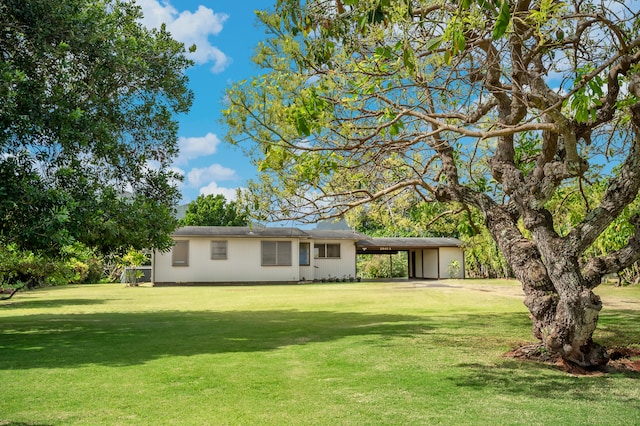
(389, 245)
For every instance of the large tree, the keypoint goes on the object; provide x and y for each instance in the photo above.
(88, 98)
(494, 105)
(214, 210)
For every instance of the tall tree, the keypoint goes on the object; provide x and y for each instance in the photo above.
(213, 210)
(87, 128)
(494, 105)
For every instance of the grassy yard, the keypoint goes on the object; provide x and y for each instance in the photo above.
(335, 354)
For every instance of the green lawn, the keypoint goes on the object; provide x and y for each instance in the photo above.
(347, 354)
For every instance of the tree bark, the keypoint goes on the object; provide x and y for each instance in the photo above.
(564, 310)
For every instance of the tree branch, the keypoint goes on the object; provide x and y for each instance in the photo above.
(616, 261)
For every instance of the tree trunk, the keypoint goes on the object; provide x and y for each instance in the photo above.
(564, 311)
(11, 293)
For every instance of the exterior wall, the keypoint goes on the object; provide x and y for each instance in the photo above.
(419, 270)
(344, 266)
(434, 263)
(307, 272)
(448, 255)
(243, 263)
(430, 263)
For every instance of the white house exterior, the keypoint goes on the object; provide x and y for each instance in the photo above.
(210, 255)
(218, 255)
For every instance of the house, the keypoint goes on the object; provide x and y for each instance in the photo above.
(206, 255)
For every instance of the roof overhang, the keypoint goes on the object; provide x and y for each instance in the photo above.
(395, 245)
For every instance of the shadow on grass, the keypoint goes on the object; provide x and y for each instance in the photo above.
(118, 339)
(49, 341)
(47, 303)
(21, 424)
(548, 382)
(618, 327)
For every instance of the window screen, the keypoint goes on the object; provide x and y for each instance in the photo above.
(326, 251)
(180, 253)
(276, 253)
(333, 250)
(218, 250)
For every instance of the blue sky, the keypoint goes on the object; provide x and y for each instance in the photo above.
(225, 33)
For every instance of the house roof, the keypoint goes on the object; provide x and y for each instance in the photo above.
(264, 232)
(364, 244)
(335, 234)
(238, 232)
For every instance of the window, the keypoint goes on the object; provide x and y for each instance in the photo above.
(329, 251)
(180, 253)
(305, 254)
(218, 250)
(276, 253)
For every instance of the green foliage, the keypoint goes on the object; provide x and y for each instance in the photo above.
(381, 266)
(75, 264)
(453, 270)
(407, 216)
(502, 20)
(573, 202)
(587, 97)
(486, 112)
(84, 264)
(129, 262)
(214, 210)
(482, 258)
(27, 269)
(87, 132)
(526, 151)
(134, 258)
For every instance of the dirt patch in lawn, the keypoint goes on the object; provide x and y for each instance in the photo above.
(623, 360)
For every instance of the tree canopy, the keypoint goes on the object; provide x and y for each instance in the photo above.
(88, 98)
(494, 105)
(213, 210)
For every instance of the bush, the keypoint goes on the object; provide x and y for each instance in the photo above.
(454, 269)
(379, 266)
(20, 268)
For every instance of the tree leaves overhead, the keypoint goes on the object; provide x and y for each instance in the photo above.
(497, 106)
(502, 20)
(87, 104)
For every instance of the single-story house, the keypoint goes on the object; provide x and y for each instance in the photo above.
(204, 255)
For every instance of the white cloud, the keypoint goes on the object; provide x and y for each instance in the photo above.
(195, 147)
(229, 193)
(189, 28)
(199, 176)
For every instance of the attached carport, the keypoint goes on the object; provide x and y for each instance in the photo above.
(428, 258)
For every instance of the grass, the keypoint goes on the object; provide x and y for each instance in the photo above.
(348, 354)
